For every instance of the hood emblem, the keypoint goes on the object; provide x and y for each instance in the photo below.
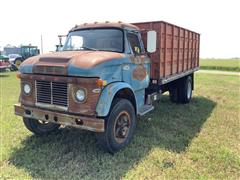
(96, 90)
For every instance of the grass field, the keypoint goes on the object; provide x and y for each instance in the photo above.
(199, 140)
(220, 64)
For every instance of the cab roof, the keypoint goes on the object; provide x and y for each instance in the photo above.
(106, 24)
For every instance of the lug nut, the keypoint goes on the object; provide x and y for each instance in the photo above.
(28, 112)
(79, 121)
(55, 118)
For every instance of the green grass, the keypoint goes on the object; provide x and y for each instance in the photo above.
(199, 140)
(220, 64)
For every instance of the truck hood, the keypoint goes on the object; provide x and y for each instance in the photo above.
(61, 63)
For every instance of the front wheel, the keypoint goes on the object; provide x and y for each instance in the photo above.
(39, 127)
(119, 126)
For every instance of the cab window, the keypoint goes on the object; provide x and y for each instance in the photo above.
(134, 43)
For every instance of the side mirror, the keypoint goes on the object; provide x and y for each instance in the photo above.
(151, 41)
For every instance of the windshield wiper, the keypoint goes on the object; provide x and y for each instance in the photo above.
(89, 48)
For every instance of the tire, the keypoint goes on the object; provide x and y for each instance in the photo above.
(13, 67)
(120, 125)
(17, 62)
(174, 95)
(185, 90)
(40, 127)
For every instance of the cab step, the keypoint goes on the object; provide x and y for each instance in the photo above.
(145, 109)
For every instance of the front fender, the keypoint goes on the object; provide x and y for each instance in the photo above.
(107, 95)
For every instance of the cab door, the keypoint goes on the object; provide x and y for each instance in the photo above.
(136, 73)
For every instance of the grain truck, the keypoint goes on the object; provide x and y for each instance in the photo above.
(107, 75)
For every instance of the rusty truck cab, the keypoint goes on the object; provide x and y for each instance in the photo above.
(49, 83)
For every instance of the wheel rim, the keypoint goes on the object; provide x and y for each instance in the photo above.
(122, 126)
(189, 90)
(17, 63)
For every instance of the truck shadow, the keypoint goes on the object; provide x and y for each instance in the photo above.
(75, 154)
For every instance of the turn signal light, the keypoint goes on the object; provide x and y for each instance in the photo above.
(18, 75)
(101, 82)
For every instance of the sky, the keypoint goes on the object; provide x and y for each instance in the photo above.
(23, 22)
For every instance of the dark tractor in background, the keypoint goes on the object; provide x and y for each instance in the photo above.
(24, 52)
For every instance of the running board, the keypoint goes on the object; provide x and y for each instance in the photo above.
(145, 109)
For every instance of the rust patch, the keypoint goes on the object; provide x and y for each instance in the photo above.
(44, 68)
(132, 58)
(139, 73)
(92, 59)
(57, 63)
(104, 25)
(52, 64)
(137, 59)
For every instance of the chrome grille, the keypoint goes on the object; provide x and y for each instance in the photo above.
(55, 93)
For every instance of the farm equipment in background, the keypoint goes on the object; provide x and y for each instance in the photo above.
(60, 45)
(4, 63)
(23, 53)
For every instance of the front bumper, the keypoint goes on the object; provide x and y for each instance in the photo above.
(88, 123)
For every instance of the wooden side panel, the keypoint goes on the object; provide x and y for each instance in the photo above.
(185, 60)
(168, 52)
(181, 50)
(177, 49)
(155, 63)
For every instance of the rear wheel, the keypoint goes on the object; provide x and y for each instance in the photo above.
(119, 126)
(182, 91)
(173, 94)
(185, 91)
(40, 127)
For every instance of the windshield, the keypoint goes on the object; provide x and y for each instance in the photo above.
(95, 39)
(33, 51)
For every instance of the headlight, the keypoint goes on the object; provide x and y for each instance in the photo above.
(80, 95)
(26, 88)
